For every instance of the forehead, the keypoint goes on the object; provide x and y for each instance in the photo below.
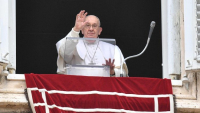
(92, 19)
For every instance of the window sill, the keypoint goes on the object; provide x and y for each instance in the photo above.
(16, 77)
(176, 83)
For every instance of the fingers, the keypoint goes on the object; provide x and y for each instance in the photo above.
(113, 61)
(111, 64)
(108, 62)
(81, 14)
(80, 20)
(77, 16)
(85, 14)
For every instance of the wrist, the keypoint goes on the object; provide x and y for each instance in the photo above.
(112, 72)
(75, 29)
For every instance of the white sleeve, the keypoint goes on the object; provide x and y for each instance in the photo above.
(65, 48)
(119, 58)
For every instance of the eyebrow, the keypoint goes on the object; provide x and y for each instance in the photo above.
(92, 24)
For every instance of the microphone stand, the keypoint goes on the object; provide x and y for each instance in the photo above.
(148, 40)
(121, 74)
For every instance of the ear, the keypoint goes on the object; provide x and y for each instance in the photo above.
(100, 30)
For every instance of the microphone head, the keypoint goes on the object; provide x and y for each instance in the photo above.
(153, 23)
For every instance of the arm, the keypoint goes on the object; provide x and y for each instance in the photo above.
(119, 58)
(65, 50)
(66, 47)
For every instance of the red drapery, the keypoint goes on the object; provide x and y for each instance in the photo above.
(68, 93)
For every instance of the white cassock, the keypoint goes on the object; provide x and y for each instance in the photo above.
(76, 52)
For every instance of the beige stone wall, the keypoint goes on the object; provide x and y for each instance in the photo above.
(187, 99)
(13, 97)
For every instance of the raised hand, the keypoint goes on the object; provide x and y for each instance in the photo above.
(111, 64)
(80, 20)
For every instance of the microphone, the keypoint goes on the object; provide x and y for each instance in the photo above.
(152, 25)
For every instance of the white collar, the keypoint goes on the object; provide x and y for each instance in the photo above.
(108, 50)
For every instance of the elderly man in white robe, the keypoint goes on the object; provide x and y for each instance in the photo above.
(75, 52)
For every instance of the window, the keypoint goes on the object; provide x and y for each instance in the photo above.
(192, 35)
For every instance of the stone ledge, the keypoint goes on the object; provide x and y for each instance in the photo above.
(15, 109)
(16, 103)
(13, 99)
(188, 106)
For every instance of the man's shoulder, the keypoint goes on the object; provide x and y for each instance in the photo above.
(106, 44)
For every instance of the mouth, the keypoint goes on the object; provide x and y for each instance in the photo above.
(91, 33)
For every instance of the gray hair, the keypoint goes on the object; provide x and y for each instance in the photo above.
(96, 17)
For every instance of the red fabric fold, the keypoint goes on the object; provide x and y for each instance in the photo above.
(124, 85)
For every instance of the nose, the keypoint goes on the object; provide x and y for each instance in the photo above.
(91, 29)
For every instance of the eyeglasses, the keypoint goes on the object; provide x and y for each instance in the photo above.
(94, 26)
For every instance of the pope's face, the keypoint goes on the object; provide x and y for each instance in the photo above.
(92, 28)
